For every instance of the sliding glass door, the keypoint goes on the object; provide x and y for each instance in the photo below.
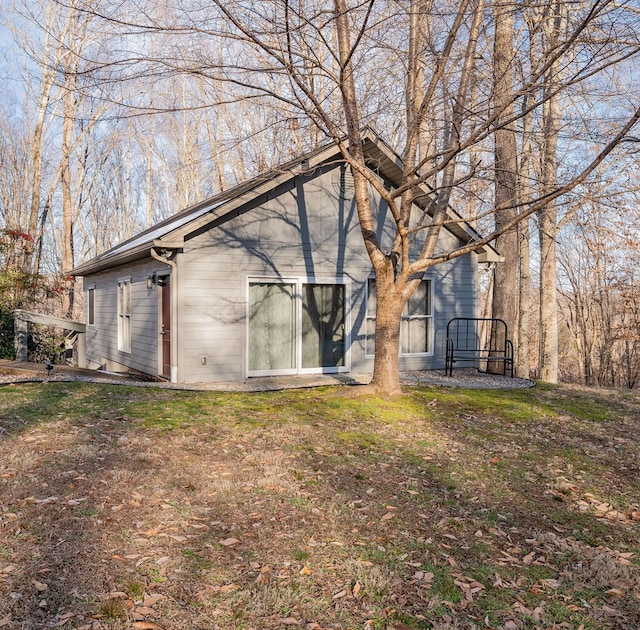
(323, 337)
(296, 326)
(272, 325)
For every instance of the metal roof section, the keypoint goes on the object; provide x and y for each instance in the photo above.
(156, 232)
(138, 246)
(171, 233)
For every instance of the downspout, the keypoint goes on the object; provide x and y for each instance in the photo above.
(174, 307)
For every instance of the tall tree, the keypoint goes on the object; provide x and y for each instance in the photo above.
(506, 198)
(419, 69)
(553, 24)
(27, 211)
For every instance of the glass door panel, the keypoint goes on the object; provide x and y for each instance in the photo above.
(323, 329)
(272, 326)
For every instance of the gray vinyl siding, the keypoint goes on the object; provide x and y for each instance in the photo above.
(102, 338)
(304, 230)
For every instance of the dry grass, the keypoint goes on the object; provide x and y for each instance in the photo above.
(441, 509)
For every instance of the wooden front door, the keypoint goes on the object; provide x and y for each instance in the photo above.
(165, 294)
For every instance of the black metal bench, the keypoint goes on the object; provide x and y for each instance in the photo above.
(478, 340)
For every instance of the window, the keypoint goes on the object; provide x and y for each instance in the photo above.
(124, 315)
(417, 320)
(415, 331)
(91, 306)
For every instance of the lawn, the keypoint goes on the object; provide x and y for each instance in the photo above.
(146, 508)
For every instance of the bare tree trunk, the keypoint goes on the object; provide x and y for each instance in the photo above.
(65, 181)
(524, 301)
(389, 304)
(525, 177)
(386, 375)
(548, 371)
(214, 129)
(49, 55)
(505, 293)
(149, 177)
(547, 217)
(36, 164)
(416, 76)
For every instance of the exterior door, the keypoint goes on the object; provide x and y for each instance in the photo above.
(322, 328)
(296, 327)
(165, 299)
(272, 328)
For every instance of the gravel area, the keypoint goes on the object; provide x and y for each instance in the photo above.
(466, 377)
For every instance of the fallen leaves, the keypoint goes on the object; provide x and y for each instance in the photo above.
(469, 586)
(289, 621)
(616, 593)
(264, 576)
(425, 577)
(449, 539)
(340, 594)
(562, 489)
(226, 588)
(536, 613)
(62, 620)
(550, 583)
(152, 600)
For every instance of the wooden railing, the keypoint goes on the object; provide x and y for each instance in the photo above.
(21, 332)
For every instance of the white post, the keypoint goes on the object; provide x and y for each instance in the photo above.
(81, 350)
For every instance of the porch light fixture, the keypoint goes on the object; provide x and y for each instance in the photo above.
(151, 280)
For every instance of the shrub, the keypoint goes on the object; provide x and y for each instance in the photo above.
(7, 350)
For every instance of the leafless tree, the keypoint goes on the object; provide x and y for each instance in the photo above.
(435, 74)
(506, 196)
(600, 302)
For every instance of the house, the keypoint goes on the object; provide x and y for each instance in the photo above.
(268, 278)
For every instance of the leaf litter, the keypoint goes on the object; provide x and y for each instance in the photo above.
(308, 509)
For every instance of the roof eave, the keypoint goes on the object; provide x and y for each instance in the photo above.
(489, 255)
(102, 264)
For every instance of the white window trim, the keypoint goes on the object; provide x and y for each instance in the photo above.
(430, 316)
(91, 287)
(299, 281)
(124, 340)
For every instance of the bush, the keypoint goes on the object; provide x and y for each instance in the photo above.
(45, 344)
(7, 349)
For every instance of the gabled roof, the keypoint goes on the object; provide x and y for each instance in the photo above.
(172, 232)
